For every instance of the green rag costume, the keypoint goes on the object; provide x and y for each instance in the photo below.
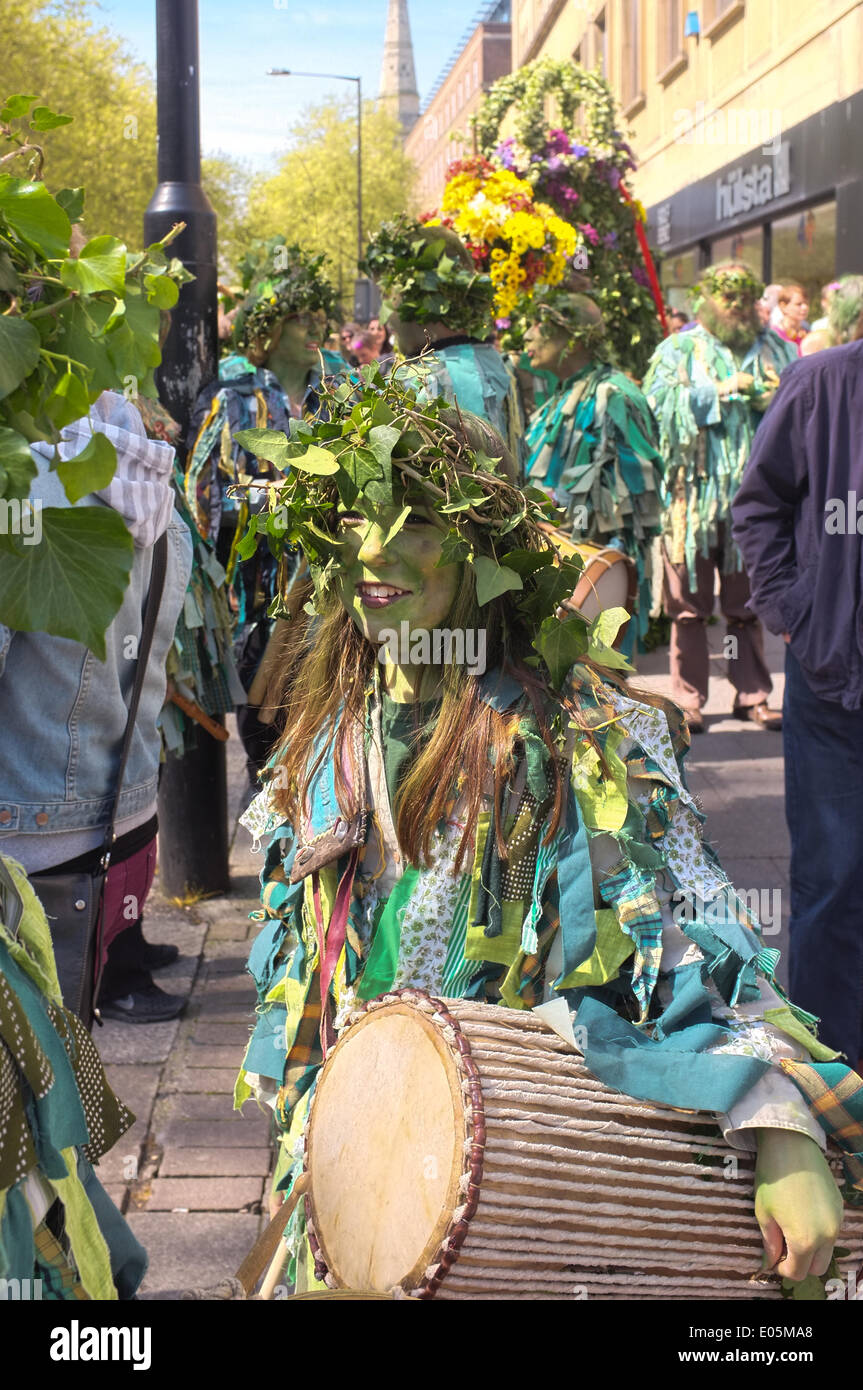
(58, 1116)
(704, 440)
(592, 445)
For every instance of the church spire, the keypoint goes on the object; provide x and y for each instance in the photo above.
(398, 75)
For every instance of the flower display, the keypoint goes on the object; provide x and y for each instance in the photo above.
(552, 198)
(519, 240)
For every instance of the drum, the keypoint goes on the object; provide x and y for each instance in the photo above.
(461, 1150)
(610, 579)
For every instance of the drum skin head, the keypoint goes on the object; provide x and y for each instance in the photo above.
(384, 1150)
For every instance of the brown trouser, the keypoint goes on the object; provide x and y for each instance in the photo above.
(689, 610)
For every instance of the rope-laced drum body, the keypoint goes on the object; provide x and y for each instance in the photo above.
(463, 1150)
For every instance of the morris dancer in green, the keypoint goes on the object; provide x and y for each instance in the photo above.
(592, 445)
(274, 375)
(708, 389)
(435, 295)
(513, 835)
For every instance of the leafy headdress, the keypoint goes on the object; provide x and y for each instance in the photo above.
(375, 441)
(575, 315)
(729, 280)
(299, 287)
(427, 274)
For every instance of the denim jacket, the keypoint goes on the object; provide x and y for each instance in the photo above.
(62, 711)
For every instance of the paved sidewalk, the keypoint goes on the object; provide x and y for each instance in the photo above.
(191, 1175)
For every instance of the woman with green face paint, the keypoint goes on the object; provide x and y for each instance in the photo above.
(592, 444)
(515, 836)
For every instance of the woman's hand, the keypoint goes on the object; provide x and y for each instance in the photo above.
(797, 1203)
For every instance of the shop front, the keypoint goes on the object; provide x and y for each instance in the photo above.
(793, 210)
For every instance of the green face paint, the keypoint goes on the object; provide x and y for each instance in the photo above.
(385, 580)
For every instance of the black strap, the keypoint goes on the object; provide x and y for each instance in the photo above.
(151, 612)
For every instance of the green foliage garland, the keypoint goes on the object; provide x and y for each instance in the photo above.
(71, 327)
(424, 283)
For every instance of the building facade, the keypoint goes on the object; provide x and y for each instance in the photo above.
(746, 119)
(442, 132)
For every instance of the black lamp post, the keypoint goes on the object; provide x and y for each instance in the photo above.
(193, 820)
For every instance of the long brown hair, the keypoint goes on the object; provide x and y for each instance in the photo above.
(328, 666)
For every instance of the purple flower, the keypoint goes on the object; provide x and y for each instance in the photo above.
(610, 239)
(555, 162)
(578, 150)
(503, 323)
(640, 275)
(614, 178)
(504, 153)
(590, 232)
(558, 140)
(568, 194)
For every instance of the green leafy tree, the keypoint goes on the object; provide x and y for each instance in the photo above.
(312, 200)
(55, 48)
(227, 182)
(73, 323)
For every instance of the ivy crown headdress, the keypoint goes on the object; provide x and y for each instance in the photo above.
(576, 315)
(428, 276)
(730, 280)
(300, 287)
(375, 442)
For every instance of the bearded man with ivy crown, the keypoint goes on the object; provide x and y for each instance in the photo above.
(437, 303)
(273, 375)
(708, 389)
(592, 444)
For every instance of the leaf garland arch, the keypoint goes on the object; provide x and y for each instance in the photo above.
(528, 88)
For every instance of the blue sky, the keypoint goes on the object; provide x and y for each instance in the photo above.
(246, 113)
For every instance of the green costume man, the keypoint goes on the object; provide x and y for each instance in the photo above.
(708, 389)
(435, 296)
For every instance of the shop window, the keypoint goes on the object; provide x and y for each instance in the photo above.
(804, 250)
(719, 15)
(600, 42)
(745, 246)
(678, 273)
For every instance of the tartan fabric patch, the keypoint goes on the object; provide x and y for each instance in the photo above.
(55, 1268)
(834, 1094)
(632, 894)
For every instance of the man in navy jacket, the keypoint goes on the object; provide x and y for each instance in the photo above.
(798, 520)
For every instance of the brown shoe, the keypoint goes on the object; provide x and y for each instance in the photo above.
(695, 720)
(761, 715)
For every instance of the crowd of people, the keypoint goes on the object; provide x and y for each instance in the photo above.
(518, 833)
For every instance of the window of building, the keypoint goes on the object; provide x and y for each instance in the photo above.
(600, 41)
(804, 250)
(460, 98)
(677, 275)
(745, 246)
(475, 73)
(631, 54)
(719, 15)
(670, 51)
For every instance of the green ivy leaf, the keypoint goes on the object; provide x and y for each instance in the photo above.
(20, 345)
(16, 106)
(101, 265)
(68, 401)
(603, 631)
(161, 291)
(46, 119)
(397, 525)
(561, 643)
(271, 445)
(382, 441)
(72, 583)
(71, 201)
(316, 460)
(493, 579)
(454, 549)
(35, 216)
(16, 463)
(90, 470)
(8, 275)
